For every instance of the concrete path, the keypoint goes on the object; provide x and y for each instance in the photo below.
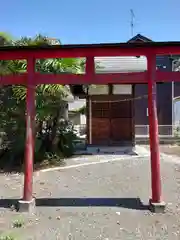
(105, 199)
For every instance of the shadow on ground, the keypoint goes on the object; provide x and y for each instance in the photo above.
(107, 151)
(129, 203)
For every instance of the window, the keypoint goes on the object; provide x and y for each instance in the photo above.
(98, 90)
(123, 89)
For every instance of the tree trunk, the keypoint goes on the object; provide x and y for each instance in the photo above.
(61, 117)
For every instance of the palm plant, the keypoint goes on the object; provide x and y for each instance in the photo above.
(50, 104)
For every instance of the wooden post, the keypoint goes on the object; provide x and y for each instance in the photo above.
(90, 120)
(90, 72)
(30, 124)
(154, 138)
(133, 115)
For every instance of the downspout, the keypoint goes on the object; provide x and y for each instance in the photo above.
(172, 68)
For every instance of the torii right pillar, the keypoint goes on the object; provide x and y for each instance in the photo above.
(156, 203)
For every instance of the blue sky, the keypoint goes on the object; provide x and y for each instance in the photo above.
(91, 21)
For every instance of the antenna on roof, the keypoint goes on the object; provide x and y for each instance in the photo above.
(132, 22)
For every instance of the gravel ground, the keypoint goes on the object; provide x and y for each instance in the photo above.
(168, 149)
(112, 189)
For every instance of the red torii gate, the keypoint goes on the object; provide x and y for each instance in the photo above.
(89, 51)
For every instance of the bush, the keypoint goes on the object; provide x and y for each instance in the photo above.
(54, 138)
(13, 154)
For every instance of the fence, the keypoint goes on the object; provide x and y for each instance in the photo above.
(164, 130)
(142, 130)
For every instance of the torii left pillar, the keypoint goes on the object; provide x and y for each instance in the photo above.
(27, 204)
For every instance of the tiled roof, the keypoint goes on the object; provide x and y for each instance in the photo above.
(140, 37)
(121, 64)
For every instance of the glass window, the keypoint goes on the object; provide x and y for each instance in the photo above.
(122, 89)
(98, 90)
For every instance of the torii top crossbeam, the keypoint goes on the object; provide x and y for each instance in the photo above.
(86, 50)
(89, 51)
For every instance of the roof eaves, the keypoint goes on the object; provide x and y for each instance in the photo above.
(140, 37)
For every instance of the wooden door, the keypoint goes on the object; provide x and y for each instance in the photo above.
(121, 121)
(100, 123)
(111, 122)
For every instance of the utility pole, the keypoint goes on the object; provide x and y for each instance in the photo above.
(132, 22)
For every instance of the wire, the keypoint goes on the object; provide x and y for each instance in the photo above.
(120, 100)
